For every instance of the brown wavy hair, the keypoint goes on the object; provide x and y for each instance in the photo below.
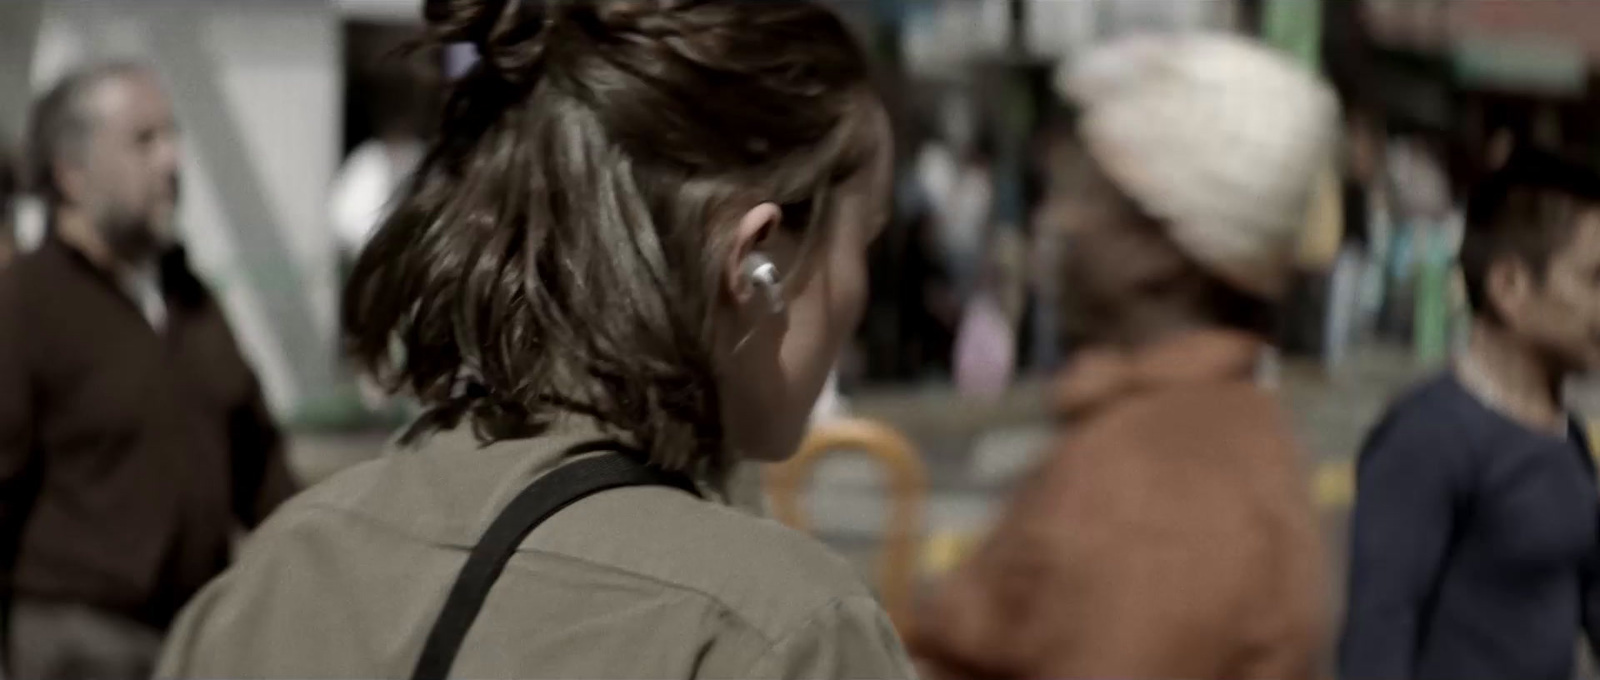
(555, 251)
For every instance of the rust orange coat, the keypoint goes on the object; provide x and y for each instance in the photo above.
(1170, 534)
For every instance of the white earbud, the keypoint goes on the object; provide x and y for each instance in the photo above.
(763, 274)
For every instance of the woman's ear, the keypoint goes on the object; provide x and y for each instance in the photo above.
(1508, 286)
(753, 229)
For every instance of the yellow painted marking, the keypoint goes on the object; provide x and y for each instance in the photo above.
(1334, 485)
(945, 549)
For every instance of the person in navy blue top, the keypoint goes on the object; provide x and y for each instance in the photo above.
(1476, 531)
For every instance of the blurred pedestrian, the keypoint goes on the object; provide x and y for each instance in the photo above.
(631, 257)
(365, 188)
(954, 171)
(1476, 532)
(1343, 322)
(1170, 532)
(134, 440)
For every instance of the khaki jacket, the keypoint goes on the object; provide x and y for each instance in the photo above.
(1170, 534)
(346, 580)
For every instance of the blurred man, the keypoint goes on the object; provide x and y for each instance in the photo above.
(1170, 533)
(1477, 520)
(133, 437)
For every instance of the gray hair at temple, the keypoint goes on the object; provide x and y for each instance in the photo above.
(60, 124)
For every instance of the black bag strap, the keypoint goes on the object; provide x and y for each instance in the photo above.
(541, 500)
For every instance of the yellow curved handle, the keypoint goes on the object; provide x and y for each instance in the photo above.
(908, 486)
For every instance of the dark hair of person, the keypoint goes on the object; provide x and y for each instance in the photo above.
(1526, 209)
(555, 251)
(60, 124)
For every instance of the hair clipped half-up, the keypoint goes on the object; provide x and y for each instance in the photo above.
(507, 35)
(552, 254)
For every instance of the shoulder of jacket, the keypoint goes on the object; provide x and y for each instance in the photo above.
(1434, 420)
(1437, 406)
(845, 637)
(765, 573)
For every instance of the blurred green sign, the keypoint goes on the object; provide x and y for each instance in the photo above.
(1546, 67)
(1295, 26)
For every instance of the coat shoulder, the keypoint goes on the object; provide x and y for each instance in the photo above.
(766, 573)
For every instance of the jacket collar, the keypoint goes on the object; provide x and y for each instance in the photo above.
(1102, 375)
(179, 284)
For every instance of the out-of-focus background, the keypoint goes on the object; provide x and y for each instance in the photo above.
(299, 115)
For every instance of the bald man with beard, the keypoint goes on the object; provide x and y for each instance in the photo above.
(134, 440)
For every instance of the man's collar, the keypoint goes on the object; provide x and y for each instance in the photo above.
(178, 281)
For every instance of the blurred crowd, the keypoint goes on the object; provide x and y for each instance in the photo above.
(603, 259)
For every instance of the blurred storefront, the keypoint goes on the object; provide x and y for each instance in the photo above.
(1503, 62)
